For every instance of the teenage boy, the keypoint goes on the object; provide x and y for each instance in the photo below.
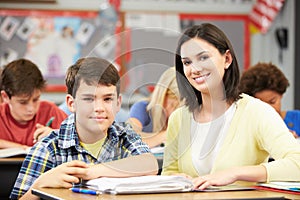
(89, 143)
(23, 116)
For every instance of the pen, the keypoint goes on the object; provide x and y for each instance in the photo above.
(50, 121)
(84, 191)
(295, 189)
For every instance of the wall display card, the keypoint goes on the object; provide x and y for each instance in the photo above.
(85, 32)
(144, 20)
(106, 46)
(26, 29)
(7, 56)
(8, 28)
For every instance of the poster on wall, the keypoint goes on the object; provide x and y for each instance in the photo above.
(53, 40)
(52, 44)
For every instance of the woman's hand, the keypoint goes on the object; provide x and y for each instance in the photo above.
(255, 173)
(216, 179)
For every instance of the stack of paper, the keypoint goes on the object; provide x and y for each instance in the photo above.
(152, 184)
(141, 184)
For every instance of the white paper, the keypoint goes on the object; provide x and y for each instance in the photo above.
(15, 151)
(141, 184)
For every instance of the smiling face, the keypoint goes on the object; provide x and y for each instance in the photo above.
(23, 107)
(95, 108)
(203, 65)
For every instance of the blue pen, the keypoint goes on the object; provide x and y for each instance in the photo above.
(297, 189)
(85, 191)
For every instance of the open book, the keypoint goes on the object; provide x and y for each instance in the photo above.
(13, 152)
(150, 184)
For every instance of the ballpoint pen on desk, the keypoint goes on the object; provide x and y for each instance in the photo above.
(296, 189)
(85, 191)
(50, 121)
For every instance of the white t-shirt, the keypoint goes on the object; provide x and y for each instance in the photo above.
(206, 139)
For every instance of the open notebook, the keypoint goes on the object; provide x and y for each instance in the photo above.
(151, 184)
(13, 152)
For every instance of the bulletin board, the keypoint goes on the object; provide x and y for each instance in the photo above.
(53, 40)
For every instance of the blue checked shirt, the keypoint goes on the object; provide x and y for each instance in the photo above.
(63, 146)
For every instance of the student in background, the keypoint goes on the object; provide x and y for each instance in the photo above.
(268, 83)
(150, 117)
(89, 143)
(221, 136)
(1, 101)
(24, 116)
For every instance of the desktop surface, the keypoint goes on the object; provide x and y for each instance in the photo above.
(55, 194)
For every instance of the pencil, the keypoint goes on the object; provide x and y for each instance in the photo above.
(50, 121)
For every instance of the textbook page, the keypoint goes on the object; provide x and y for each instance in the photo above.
(15, 151)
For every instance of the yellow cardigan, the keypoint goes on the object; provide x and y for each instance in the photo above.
(256, 132)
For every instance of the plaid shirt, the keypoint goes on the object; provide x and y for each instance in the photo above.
(63, 146)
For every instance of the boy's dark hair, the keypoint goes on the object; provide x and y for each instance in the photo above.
(21, 77)
(91, 70)
(263, 76)
(216, 37)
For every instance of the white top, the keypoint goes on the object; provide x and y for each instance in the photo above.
(207, 139)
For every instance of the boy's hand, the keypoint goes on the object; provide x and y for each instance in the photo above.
(40, 132)
(62, 176)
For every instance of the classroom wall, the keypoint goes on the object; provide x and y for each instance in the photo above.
(263, 46)
(59, 5)
(297, 58)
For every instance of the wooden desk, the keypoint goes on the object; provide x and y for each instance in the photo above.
(55, 194)
(9, 170)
